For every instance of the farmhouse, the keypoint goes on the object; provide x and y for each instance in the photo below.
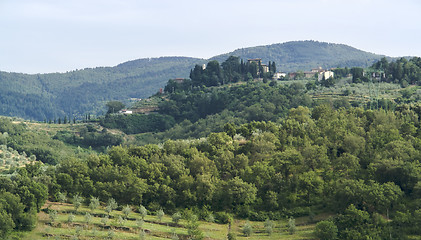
(258, 61)
(326, 74)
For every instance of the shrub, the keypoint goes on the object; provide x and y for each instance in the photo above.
(160, 214)
(143, 212)
(247, 229)
(176, 217)
(210, 218)
(223, 217)
(326, 230)
(291, 226)
(269, 225)
(231, 236)
(126, 211)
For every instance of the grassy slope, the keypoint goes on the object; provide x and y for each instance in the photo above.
(155, 230)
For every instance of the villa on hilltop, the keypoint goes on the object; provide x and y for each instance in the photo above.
(258, 61)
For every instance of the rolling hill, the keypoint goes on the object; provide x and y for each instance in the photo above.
(304, 55)
(75, 93)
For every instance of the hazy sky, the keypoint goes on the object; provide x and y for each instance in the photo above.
(39, 36)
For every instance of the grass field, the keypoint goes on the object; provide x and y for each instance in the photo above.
(114, 228)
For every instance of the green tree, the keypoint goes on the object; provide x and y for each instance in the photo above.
(62, 197)
(126, 211)
(104, 220)
(52, 216)
(236, 192)
(6, 223)
(247, 229)
(269, 225)
(94, 204)
(291, 226)
(111, 205)
(176, 217)
(88, 217)
(139, 223)
(114, 106)
(71, 218)
(231, 236)
(326, 230)
(77, 201)
(143, 212)
(160, 214)
(142, 234)
(193, 228)
(120, 221)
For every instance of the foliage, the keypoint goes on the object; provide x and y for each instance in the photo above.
(231, 236)
(402, 71)
(247, 229)
(52, 216)
(70, 218)
(94, 203)
(176, 217)
(20, 199)
(76, 93)
(291, 226)
(126, 211)
(160, 214)
(269, 225)
(193, 228)
(88, 217)
(77, 201)
(138, 123)
(62, 197)
(114, 106)
(143, 212)
(302, 55)
(326, 230)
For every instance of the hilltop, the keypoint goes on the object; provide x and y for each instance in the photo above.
(76, 93)
(304, 55)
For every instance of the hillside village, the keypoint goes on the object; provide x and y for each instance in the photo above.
(146, 106)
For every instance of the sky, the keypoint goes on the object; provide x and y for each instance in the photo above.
(43, 36)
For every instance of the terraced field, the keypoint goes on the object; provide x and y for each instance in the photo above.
(116, 226)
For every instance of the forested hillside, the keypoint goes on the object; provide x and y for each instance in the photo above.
(360, 167)
(76, 93)
(305, 55)
(235, 147)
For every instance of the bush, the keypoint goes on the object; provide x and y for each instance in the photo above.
(269, 225)
(231, 236)
(291, 226)
(176, 217)
(326, 230)
(247, 229)
(223, 217)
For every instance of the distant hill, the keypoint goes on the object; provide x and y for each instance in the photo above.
(54, 95)
(75, 93)
(304, 55)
